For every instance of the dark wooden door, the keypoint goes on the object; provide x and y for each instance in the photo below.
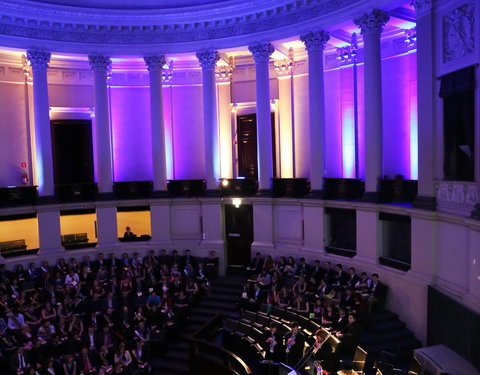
(247, 146)
(72, 151)
(239, 234)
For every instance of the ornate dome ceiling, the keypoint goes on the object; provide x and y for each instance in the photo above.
(131, 4)
(147, 26)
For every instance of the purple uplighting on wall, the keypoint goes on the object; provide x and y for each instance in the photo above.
(399, 116)
(187, 109)
(132, 149)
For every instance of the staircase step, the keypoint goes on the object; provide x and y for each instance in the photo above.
(381, 316)
(386, 326)
(233, 299)
(219, 305)
(411, 343)
(368, 338)
(174, 367)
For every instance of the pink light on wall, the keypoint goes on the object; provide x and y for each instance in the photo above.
(399, 116)
(168, 121)
(132, 149)
(413, 117)
(348, 122)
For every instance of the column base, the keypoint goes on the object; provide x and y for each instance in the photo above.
(47, 199)
(370, 197)
(425, 203)
(212, 193)
(160, 194)
(316, 194)
(110, 196)
(265, 193)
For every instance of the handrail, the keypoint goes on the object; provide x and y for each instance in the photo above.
(227, 353)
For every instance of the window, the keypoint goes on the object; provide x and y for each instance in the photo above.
(19, 235)
(137, 219)
(78, 228)
(341, 232)
(396, 241)
(458, 93)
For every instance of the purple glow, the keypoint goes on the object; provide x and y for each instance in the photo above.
(187, 109)
(167, 115)
(333, 116)
(348, 123)
(361, 121)
(132, 150)
(399, 83)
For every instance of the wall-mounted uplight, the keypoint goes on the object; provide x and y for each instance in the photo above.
(224, 182)
(236, 202)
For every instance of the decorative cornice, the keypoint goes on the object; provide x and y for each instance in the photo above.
(100, 63)
(155, 63)
(261, 51)
(38, 58)
(208, 58)
(315, 40)
(372, 22)
(78, 30)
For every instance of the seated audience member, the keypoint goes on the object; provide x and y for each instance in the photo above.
(256, 265)
(377, 293)
(129, 235)
(349, 335)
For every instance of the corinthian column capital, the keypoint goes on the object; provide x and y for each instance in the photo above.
(38, 58)
(261, 51)
(208, 58)
(315, 40)
(372, 22)
(421, 6)
(155, 63)
(100, 63)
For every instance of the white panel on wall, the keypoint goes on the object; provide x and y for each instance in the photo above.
(14, 140)
(301, 128)
(289, 225)
(188, 137)
(186, 222)
(70, 96)
(452, 256)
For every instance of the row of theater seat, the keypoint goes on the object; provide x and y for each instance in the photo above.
(253, 325)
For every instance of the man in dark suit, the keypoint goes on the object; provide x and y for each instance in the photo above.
(257, 297)
(322, 353)
(349, 335)
(19, 361)
(129, 235)
(352, 278)
(163, 258)
(188, 259)
(294, 343)
(141, 358)
(256, 265)
(273, 346)
(377, 293)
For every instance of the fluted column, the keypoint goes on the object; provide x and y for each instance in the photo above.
(39, 60)
(100, 66)
(261, 54)
(315, 44)
(425, 107)
(208, 59)
(371, 25)
(155, 65)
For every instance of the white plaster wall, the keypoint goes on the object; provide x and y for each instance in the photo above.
(14, 139)
(301, 120)
(288, 219)
(452, 260)
(70, 95)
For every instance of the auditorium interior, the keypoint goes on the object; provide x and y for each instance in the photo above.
(239, 187)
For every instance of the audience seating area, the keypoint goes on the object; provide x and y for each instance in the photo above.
(101, 316)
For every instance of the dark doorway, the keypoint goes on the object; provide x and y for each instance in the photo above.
(239, 234)
(247, 146)
(72, 151)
